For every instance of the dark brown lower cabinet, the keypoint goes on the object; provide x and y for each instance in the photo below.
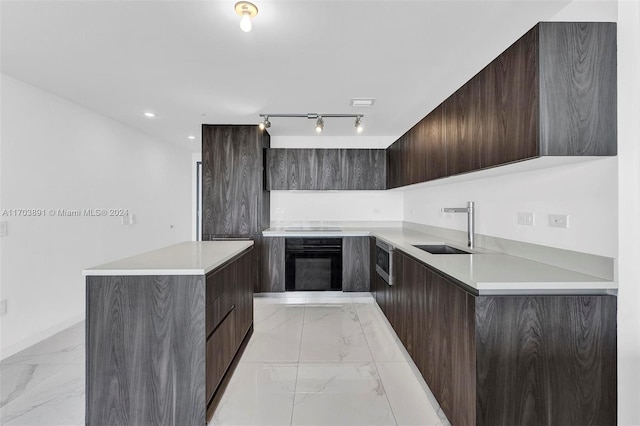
(160, 349)
(221, 347)
(231, 317)
(505, 360)
(273, 263)
(355, 264)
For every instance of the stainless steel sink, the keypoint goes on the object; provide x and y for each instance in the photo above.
(441, 249)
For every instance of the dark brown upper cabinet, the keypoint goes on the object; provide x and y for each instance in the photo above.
(234, 199)
(326, 169)
(551, 93)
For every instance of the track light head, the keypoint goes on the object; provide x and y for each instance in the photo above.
(319, 124)
(359, 127)
(265, 124)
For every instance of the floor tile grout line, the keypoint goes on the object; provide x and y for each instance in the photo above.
(375, 365)
(295, 384)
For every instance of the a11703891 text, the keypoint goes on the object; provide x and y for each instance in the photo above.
(30, 212)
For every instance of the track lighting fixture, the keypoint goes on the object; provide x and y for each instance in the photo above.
(265, 123)
(246, 10)
(359, 127)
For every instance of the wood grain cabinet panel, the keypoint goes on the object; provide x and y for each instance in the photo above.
(221, 347)
(234, 162)
(244, 295)
(505, 360)
(553, 92)
(508, 90)
(546, 360)
(431, 146)
(362, 169)
(395, 165)
(135, 326)
(462, 125)
(273, 263)
(326, 169)
(218, 281)
(235, 201)
(578, 89)
(356, 264)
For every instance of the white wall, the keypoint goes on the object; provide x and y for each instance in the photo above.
(584, 191)
(319, 141)
(629, 212)
(59, 155)
(305, 206)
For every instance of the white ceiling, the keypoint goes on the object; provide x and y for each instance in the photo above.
(189, 62)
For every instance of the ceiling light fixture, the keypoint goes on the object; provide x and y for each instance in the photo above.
(246, 10)
(265, 123)
(149, 114)
(191, 137)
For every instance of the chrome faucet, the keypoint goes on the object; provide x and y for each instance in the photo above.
(471, 227)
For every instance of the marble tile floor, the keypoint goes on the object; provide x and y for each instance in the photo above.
(325, 359)
(314, 359)
(44, 384)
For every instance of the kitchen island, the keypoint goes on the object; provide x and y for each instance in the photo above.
(164, 332)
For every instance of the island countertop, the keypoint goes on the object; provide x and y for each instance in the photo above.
(187, 258)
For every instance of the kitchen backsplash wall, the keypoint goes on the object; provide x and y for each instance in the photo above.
(317, 141)
(305, 206)
(586, 192)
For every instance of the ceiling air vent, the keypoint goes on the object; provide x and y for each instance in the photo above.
(362, 102)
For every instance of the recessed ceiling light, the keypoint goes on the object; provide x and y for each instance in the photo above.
(149, 114)
(362, 102)
(191, 137)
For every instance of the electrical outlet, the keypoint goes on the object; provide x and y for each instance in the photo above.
(4, 228)
(3, 307)
(526, 218)
(559, 220)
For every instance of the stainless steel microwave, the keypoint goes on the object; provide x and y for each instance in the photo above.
(384, 261)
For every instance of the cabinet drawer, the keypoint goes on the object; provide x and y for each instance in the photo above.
(221, 347)
(219, 281)
(219, 308)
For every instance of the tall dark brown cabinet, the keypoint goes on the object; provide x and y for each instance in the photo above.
(235, 202)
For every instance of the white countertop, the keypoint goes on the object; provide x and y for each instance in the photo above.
(188, 258)
(485, 272)
(298, 232)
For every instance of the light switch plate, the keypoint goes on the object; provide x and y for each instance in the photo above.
(526, 218)
(4, 228)
(559, 220)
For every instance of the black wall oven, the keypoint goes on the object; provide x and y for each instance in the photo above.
(313, 264)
